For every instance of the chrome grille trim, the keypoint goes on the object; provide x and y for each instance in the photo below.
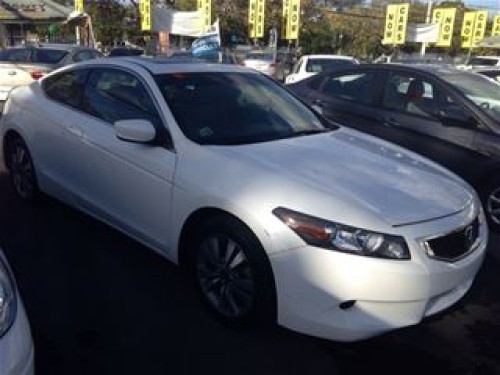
(431, 252)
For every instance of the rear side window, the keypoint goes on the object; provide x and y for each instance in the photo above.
(66, 87)
(48, 56)
(85, 55)
(14, 55)
(321, 65)
(358, 87)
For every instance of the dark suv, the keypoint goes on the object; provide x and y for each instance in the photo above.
(447, 115)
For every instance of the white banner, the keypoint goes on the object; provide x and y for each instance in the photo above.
(177, 23)
(422, 32)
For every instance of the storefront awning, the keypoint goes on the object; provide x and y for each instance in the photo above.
(14, 11)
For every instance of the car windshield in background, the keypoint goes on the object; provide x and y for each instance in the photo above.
(48, 56)
(482, 91)
(321, 65)
(235, 108)
(260, 56)
(483, 61)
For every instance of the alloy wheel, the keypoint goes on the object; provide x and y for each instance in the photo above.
(493, 205)
(225, 277)
(22, 171)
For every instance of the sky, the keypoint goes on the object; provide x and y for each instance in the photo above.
(490, 5)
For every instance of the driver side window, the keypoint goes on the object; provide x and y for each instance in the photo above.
(113, 95)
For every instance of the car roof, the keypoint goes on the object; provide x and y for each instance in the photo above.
(435, 69)
(332, 57)
(54, 46)
(161, 65)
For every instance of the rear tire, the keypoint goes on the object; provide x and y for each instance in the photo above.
(232, 272)
(22, 170)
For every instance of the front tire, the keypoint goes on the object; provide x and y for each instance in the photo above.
(232, 272)
(22, 170)
(491, 200)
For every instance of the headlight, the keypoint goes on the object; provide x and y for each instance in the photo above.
(335, 236)
(7, 299)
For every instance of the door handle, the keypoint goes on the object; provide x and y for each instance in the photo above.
(318, 103)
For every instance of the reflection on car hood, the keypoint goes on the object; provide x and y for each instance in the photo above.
(363, 173)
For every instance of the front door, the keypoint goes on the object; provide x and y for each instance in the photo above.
(128, 184)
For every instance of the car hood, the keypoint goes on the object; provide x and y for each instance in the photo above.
(357, 173)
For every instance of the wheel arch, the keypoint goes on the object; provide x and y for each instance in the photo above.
(189, 228)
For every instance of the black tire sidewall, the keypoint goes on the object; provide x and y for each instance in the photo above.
(485, 193)
(11, 146)
(262, 310)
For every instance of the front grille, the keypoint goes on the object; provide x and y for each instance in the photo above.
(454, 245)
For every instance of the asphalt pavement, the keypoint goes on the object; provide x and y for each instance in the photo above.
(100, 303)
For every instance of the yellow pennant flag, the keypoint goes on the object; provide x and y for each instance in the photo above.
(252, 18)
(79, 6)
(473, 27)
(395, 24)
(294, 19)
(145, 12)
(496, 26)
(259, 21)
(446, 19)
(206, 7)
(285, 24)
(480, 27)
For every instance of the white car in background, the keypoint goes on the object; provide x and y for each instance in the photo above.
(262, 61)
(16, 347)
(277, 215)
(309, 65)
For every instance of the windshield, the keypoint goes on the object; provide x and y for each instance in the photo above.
(260, 56)
(235, 108)
(320, 65)
(48, 56)
(484, 92)
(483, 61)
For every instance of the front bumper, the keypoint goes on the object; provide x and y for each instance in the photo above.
(16, 347)
(346, 297)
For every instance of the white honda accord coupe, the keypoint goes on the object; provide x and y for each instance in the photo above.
(16, 346)
(276, 214)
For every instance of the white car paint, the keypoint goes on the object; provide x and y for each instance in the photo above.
(16, 346)
(343, 176)
(304, 67)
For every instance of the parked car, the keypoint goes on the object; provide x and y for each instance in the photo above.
(493, 73)
(263, 61)
(125, 51)
(22, 65)
(16, 346)
(483, 61)
(447, 115)
(285, 61)
(309, 65)
(276, 216)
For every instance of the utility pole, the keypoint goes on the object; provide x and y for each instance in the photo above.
(427, 21)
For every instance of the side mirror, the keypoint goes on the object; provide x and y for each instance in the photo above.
(137, 130)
